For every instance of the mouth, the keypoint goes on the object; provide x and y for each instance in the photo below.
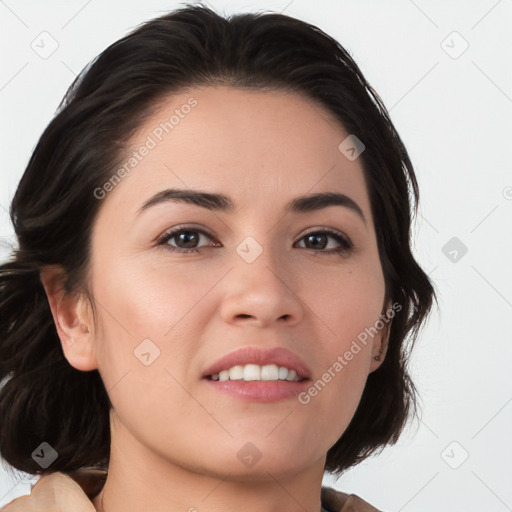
(259, 375)
(254, 363)
(249, 381)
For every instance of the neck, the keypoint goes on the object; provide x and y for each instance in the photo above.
(140, 480)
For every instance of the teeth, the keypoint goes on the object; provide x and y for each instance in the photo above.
(224, 375)
(236, 373)
(248, 372)
(252, 372)
(292, 375)
(283, 373)
(270, 372)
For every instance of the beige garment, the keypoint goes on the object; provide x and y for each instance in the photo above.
(61, 494)
(337, 501)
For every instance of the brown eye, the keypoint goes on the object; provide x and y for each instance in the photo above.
(189, 239)
(185, 240)
(319, 240)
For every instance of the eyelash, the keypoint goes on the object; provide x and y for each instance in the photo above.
(345, 244)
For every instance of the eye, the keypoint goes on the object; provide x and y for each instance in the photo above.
(318, 241)
(187, 239)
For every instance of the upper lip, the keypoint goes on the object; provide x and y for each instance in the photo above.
(252, 355)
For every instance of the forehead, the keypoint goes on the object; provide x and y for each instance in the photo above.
(260, 147)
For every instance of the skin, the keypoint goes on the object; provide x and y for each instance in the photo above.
(174, 439)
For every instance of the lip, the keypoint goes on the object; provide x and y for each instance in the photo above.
(254, 355)
(260, 391)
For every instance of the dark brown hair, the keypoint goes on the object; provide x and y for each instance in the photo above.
(43, 398)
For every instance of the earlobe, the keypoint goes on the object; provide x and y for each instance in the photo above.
(379, 349)
(72, 319)
(380, 346)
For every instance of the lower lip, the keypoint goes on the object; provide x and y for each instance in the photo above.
(260, 391)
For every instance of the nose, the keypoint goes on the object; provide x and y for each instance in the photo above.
(261, 293)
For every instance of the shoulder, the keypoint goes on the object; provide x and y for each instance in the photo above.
(337, 501)
(56, 492)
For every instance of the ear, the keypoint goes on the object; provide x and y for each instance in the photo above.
(381, 342)
(73, 319)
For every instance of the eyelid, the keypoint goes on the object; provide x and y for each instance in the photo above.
(329, 231)
(187, 227)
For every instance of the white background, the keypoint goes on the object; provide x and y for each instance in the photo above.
(455, 117)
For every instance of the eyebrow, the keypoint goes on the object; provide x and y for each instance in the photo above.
(223, 203)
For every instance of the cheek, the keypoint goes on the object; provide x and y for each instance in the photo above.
(142, 345)
(347, 307)
(147, 300)
(334, 394)
(147, 310)
(346, 304)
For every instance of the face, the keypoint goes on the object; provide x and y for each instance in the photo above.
(179, 285)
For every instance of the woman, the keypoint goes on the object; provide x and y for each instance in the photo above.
(214, 280)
